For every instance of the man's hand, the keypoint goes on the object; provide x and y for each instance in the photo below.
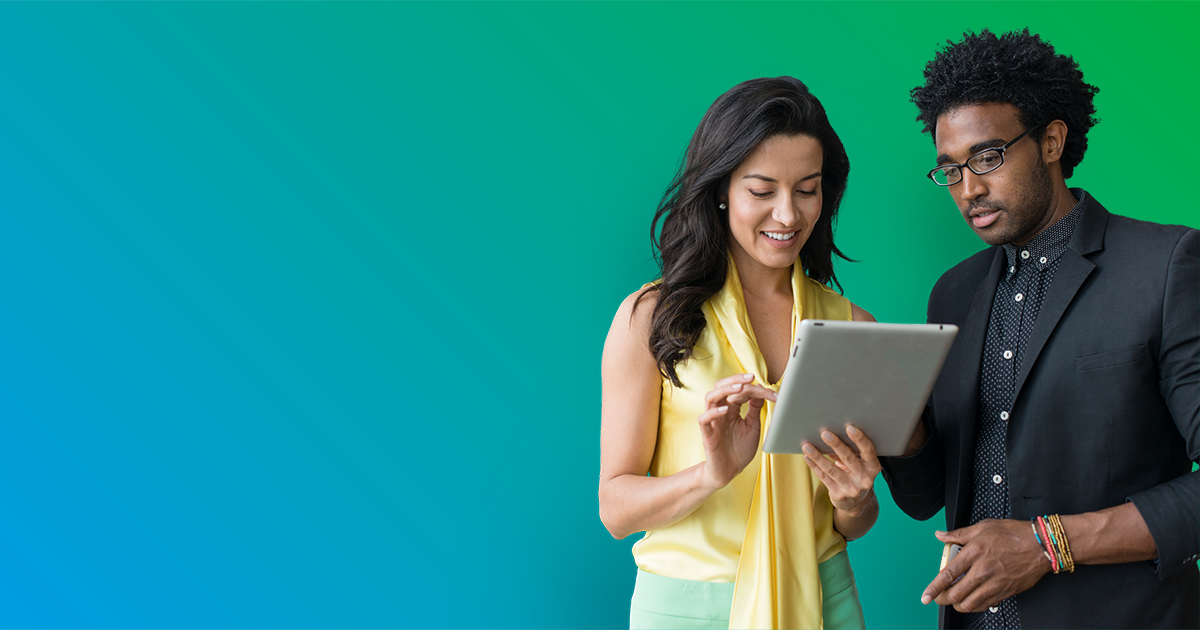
(999, 559)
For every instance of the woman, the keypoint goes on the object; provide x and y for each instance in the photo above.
(735, 537)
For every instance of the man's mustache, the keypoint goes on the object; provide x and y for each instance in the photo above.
(983, 206)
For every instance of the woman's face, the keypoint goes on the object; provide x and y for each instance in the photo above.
(775, 200)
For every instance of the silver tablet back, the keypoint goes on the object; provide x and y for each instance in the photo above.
(875, 376)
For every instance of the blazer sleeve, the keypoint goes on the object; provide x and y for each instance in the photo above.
(918, 482)
(1172, 509)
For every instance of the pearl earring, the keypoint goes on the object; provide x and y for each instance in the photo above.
(722, 206)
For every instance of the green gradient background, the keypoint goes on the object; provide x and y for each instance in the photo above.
(304, 302)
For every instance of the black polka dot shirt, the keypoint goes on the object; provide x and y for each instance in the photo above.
(1014, 309)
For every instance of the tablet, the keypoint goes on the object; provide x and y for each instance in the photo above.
(874, 376)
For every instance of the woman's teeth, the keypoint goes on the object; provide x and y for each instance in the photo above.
(780, 236)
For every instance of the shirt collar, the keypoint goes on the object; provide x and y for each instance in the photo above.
(1050, 243)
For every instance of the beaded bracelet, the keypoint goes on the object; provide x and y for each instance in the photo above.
(1051, 535)
(1061, 535)
(1036, 535)
(1041, 525)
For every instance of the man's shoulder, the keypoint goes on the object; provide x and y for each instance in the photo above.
(1128, 230)
(952, 293)
(966, 274)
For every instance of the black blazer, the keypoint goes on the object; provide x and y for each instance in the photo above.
(1106, 410)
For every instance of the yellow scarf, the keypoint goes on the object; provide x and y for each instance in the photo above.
(770, 527)
(778, 584)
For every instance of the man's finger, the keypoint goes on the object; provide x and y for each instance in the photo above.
(961, 536)
(945, 578)
(939, 584)
(985, 593)
(963, 589)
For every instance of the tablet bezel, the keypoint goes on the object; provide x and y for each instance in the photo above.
(831, 364)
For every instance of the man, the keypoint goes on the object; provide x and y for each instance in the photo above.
(1072, 391)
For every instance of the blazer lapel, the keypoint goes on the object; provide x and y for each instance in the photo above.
(971, 335)
(1073, 270)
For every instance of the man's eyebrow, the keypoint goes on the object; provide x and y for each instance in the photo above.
(994, 143)
(775, 181)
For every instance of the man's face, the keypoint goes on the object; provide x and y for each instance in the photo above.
(1012, 203)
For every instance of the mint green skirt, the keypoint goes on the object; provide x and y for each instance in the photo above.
(663, 602)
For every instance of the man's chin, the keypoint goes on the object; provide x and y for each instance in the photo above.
(992, 237)
(993, 234)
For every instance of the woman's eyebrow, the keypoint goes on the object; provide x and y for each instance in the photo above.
(775, 181)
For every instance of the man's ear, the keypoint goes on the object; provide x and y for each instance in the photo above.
(1054, 139)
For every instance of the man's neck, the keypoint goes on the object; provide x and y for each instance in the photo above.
(1062, 201)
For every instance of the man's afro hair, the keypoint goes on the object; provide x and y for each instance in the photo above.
(1015, 68)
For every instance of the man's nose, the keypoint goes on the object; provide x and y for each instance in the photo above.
(971, 186)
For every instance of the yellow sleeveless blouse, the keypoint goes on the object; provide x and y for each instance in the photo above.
(773, 524)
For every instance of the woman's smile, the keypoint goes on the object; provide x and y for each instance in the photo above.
(781, 240)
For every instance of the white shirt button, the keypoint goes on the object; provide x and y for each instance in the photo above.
(1018, 297)
(1012, 269)
(1004, 415)
(1008, 354)
(997, 479)
(1025, 254)
(1043, 260)
(993, 609)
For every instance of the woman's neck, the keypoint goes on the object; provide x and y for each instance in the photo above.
(760, 280)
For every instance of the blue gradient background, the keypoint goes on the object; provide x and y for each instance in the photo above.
(303, 303)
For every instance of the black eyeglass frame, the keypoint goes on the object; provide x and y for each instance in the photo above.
(967, 163)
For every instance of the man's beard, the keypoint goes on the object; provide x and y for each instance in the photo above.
(1029, 210)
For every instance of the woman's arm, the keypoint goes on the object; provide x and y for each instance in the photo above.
(630, 501)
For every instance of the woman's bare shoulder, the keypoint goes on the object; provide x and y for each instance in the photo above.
(637, 310)
(628, 361)
(859, 315)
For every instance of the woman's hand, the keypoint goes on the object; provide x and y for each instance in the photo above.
(730, 439)
(849, 476)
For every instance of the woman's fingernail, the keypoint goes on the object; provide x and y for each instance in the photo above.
(737, 387)
(748, 377)
(827, 436)
(723, 409)
(851, 429)
(925, 599)
(809, 450)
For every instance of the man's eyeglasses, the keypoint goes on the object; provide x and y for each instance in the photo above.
(985, 161)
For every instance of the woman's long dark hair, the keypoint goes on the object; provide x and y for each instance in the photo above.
(693, 244)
